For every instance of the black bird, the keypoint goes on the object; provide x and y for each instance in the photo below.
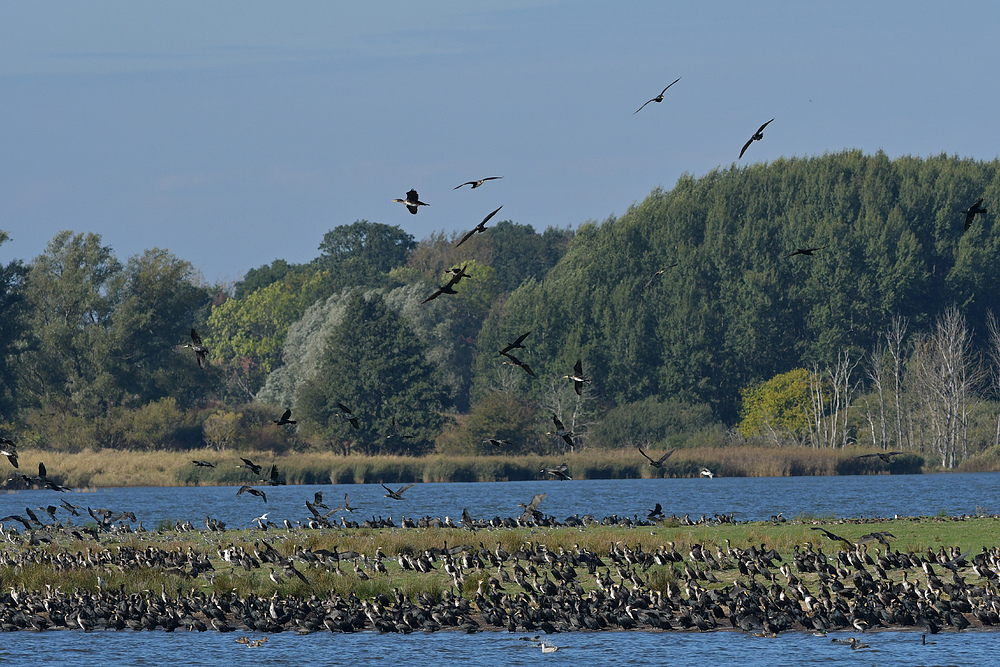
(9, 449)
(658, 273)
(476, 184)
(412, 201)
(532, 507)
(272, 478)
(658, 98)
(252, 491)
(478, 229)
(200, 351)
(395, 495)
(757, 136)
(886, 457)
(655, 513)
(459, 271)
(972, 212)
(496, 442)
(832, 536)
(447, 288)
(397, 432)
(346, 413)
(203, 464)
(41, 472)
(806, 251)
(285, 418)
(318, 500)
(250, 465)
(561, 431)
(347, 505)
(514, 361)
(658, 462)
(578, 378)
(69, 507)
(560, 472)
(516, 344)
(879, 535)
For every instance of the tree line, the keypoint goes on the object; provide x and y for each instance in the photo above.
(682, 310)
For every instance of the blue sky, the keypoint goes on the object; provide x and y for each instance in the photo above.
(235, 133)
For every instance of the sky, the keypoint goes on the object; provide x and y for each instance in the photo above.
(236, 133)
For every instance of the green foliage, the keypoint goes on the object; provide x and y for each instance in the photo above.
(362, 253)
(12, 314)
(649, 422)
(373, 363)
(499, 415)
(779, 405)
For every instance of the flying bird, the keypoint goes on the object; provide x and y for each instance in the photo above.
(560, 472)
(285, 418)
(9, 449)
(272, 477)
(200, 351)
(658, 98)
(516, 344)
(395, 495)
(318, 500)
(578, 378)
(832, 536)
(447, 288)
(478, 229)
(397, 432)
(757, 136)
(561, 431)
(476, 184)
(250, 465)
(252, 491)
(459, 272)
(514, 361)
(885, 456)
(705, 472)
(657, 274)
(657, 462)
(412, 201)
(531, 508)
(496, 442)
(204, 464)
(972, 212)
(806, 251)
(346, 413)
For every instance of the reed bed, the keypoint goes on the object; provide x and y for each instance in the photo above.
(116, 468)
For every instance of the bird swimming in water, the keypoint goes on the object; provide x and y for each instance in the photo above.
(757, 136)
(285, 418)
(412, 201)
(478, 229)
(658, 98)
(476, 184)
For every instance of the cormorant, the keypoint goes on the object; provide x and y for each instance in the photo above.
(478, 229)
(203, 464)
(476, 184)
(250, 465)
(252, 491)
(412, 201)
(972, 212)
(346, 413)
(514, 361)
(561, 431)
(658, 462)
(886, 457)
(200, 351)
(658, 98)
(806, 251)
(395, 495)
(516, 344)
(285, 418)
(757, 136)
(560, 472)
(578, 378)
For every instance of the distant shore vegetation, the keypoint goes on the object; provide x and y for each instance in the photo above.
(701, 324)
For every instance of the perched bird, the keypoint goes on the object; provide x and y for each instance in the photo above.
(478, 229)
(9, 449)
(705, 472)
(757, 136)
(972, 212)
(658, 273)
(886, 457)
(516, 344)
(578, 378)
(496, 442)
(514, 361)
(285, 418)
(250, 465)
(560, 472)
(203, 464)
(806, 251)
(476, 184)
(561, 431)
(447, 288)
(658, 462)
(412, 201)
(252, 491)
(395, 495)
(346, 413)
(200, 351)
(658, 98)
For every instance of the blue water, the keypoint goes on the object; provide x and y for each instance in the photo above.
(747, 498)
(493, 648)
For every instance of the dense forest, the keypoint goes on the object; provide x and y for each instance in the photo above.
(826, 301)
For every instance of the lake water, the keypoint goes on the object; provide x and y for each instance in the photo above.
(748, 498)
